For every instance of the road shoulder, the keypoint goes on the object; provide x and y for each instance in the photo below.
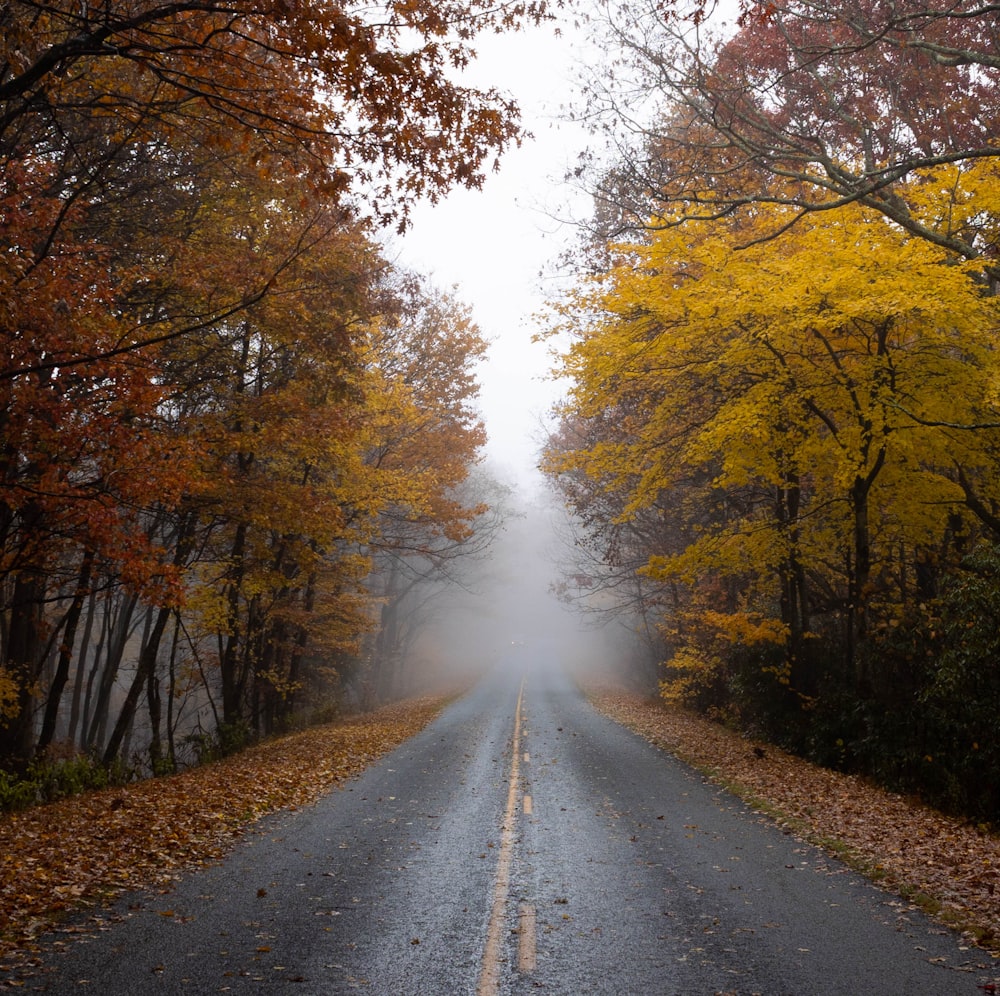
(946, 867)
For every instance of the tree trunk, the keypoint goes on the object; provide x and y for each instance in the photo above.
(22, 660)
(146, 663)
(145, 673)
(229, 664)
(61, 675)
(172, 694)
(119, 630)
(859, 582)
(81, 669)
(155, 705)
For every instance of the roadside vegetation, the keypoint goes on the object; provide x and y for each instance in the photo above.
(238, 444)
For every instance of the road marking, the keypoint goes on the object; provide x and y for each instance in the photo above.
(489, 977)
(527, 757)
(526, 805)
(526, 947)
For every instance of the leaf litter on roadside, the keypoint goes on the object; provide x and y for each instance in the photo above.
(79, 851)
(944, 865)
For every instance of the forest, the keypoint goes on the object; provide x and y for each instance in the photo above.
(781, 438)
(240, 448)
(234, 437)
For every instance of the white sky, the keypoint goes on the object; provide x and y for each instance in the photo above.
(498, 247)
(494, 245)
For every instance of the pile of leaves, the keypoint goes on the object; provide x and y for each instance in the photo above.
(948, 867)
(80, 851)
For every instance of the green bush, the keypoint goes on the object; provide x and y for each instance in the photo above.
(61, 779)
(229, 738)
(49, 781)
(919, 711)
(962, 698)
(16, 793)
(927, 721)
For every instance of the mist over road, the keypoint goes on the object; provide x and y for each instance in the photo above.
(520, 844)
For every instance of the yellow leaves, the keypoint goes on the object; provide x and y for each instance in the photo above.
(703, 641)
(689, 671)
(748, 391)
(960, 200)
(423, 434)
(746, 628)
(278, 682)
(9, 695)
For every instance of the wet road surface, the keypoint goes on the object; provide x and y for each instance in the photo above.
(520, 844)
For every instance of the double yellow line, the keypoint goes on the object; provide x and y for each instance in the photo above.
(489, 978)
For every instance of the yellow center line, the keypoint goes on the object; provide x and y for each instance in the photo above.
(489, 978)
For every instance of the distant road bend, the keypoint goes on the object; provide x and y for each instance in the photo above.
(522, 843)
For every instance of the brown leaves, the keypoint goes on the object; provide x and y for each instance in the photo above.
(946, 866)
(54, 857)
(328, 84)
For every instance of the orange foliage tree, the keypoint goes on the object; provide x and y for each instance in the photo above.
(428, 435)
(188, 285)
(807, 103)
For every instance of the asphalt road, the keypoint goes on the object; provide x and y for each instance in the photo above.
(520, 844)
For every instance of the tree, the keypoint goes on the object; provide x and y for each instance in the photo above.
(603, 547)
(103, 109)
(428, 435)
(782, 404)
(359, 88)
(187, 194)
(812, 104)
(280, 414)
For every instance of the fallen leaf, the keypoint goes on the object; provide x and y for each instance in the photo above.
(141, 835)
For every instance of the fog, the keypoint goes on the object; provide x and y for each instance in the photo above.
(507, 611)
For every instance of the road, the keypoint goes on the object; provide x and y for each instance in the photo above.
(520, 844)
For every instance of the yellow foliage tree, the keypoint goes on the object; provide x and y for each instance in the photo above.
(813, 412)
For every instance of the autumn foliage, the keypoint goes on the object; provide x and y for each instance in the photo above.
(783, 412)
(216, 394)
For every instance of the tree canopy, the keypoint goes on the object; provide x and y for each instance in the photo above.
(811, 104)
(216, 393)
